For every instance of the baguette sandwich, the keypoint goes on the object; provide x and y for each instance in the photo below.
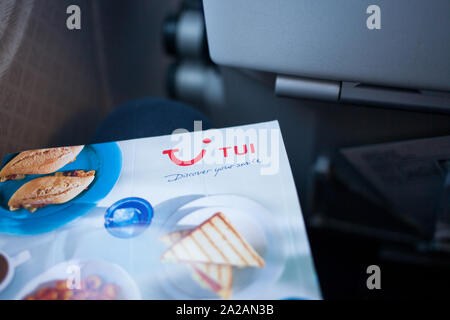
(56, 189)
(42, 161)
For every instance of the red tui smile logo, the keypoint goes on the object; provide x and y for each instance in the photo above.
(171, 153)
(181, 163)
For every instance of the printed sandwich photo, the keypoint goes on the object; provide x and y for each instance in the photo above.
(215, 277)
(211, 251)
(57, 189)
(42, 161)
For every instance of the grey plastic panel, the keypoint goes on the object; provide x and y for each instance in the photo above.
(403, 99)
(307, 88)
(328, 39)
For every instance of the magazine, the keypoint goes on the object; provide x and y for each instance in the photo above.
(204, 215)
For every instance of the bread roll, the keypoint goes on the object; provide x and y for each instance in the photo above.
(42, 161)
(56, 189)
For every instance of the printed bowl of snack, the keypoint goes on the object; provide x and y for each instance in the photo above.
(82, 280)
(91, 288)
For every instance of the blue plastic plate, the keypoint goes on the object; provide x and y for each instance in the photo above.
(105, 159)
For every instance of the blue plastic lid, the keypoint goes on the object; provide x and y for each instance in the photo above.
(128, 217)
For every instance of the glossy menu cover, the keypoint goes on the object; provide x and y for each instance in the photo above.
(204, 215)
